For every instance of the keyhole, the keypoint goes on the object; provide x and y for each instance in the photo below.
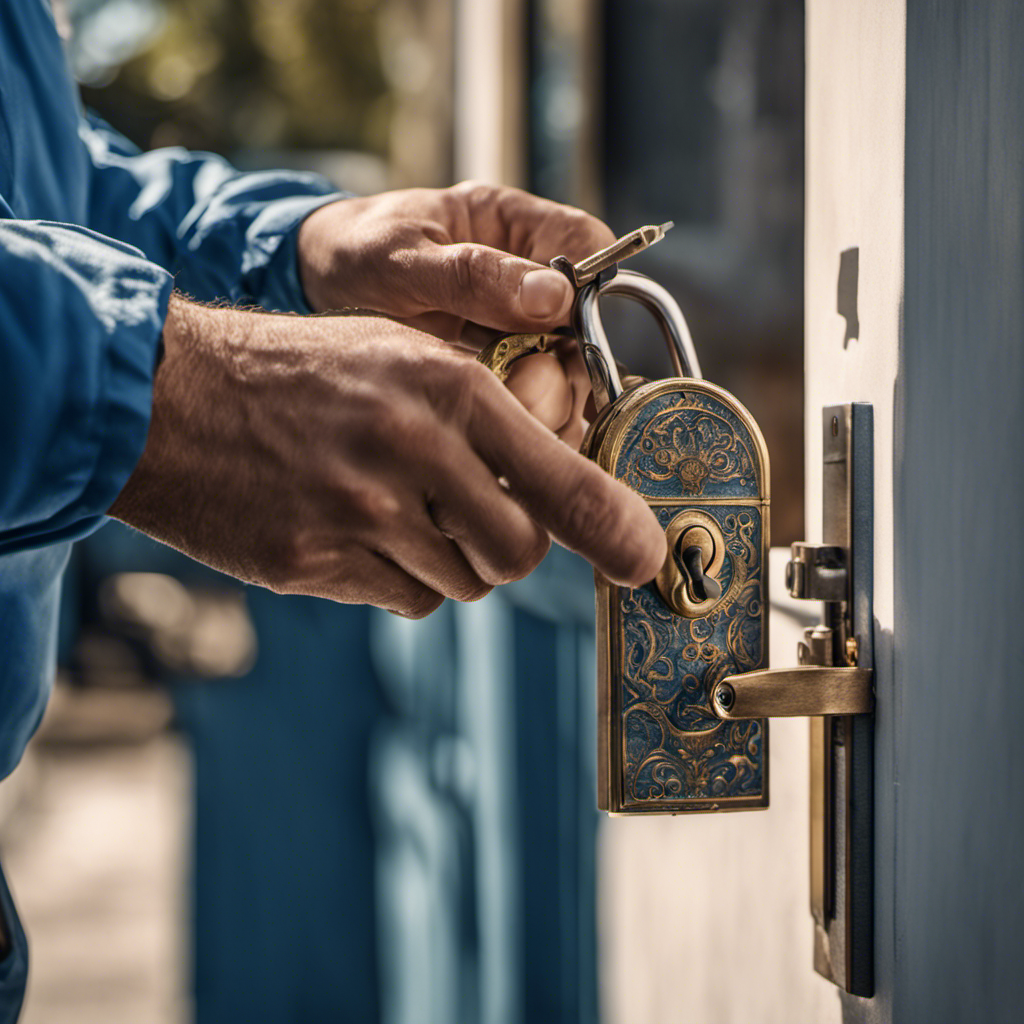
(694, 552)
(689, 579)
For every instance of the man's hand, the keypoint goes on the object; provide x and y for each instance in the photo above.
(452, 261)
(361, 460)
(439, 258)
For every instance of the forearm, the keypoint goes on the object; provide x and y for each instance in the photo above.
(224, 234)
(224, 372)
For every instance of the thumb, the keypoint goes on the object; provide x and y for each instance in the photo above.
(489, 287)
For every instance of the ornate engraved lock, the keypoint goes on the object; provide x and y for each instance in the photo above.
(698, 458)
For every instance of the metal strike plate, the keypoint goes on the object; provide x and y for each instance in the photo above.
(697, 457)
(842, 746)
(834, 686)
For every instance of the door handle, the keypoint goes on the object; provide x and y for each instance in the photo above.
(803, 691)
(815, 686)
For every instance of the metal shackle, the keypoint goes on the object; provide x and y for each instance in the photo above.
(593, 341)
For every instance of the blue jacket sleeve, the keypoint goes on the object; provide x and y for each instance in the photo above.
(80, 319)
(222, 233)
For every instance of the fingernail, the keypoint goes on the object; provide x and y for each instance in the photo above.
(544, 293)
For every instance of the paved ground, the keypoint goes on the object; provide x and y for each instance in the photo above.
(95, 852)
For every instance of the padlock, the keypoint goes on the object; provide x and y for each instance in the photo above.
(696, 455)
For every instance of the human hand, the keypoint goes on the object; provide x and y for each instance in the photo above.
(450, 261)
(361, 460)
(438, 259)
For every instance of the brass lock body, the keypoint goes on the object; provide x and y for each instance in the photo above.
(697, 457)
(695, 454)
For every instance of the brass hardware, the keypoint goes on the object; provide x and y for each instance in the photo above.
(605, 379)
(621, 249)
(852, 650)
(697, 457)
(501, 354)
(793, 692)
(661, 749)
(691, 528)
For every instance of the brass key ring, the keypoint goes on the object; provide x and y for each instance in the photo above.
(501, 354)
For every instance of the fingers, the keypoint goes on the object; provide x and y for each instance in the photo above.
(571, 359)
(496, 536)
(487, 286)
(541, 384)
(469, 535)
(581, 505)
(434, 559)
(361, 576)
(555, 388)
(539, 229)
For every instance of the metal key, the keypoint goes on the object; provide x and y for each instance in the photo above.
(501, 354)
(628, 245)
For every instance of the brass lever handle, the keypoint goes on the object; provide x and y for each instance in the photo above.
(790, 692)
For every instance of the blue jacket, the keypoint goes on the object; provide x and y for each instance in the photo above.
(92, 235)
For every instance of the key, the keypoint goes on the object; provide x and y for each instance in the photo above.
(611, 256)
(501, 354)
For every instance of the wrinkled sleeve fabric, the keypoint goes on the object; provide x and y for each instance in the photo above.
(81, 317)
(222, 233)
(82, 308)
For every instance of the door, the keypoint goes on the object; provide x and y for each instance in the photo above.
(914, 161)
(914, 274)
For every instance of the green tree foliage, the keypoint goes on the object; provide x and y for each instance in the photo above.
(229, 74)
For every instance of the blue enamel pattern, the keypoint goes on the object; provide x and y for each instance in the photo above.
(690, 449)
(689, 444)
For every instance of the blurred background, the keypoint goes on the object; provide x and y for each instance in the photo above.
(244, 807)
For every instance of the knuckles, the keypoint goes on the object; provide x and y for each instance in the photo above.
(373, 507)
(471, 268)
(516, 563)
(474, 192)
(417, 605)
(457, 388)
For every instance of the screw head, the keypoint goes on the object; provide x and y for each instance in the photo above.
(852, 650)
(725, 696)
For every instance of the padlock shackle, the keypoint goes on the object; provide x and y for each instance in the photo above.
(601, 366)
(659, 301)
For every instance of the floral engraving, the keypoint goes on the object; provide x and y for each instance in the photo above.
(673, 745)
(688, 444)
